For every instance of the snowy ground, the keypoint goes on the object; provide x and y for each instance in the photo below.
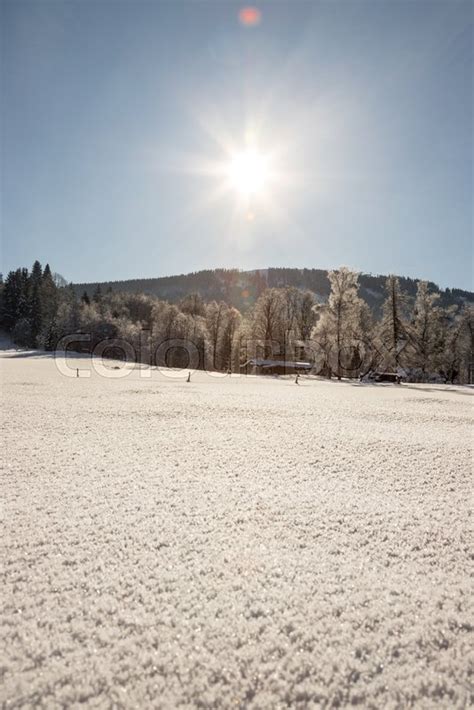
(234, 542)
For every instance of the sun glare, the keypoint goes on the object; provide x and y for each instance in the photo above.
(248, 172)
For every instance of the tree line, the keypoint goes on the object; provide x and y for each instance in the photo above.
(242, 288)
(28, 306)
(341, 336)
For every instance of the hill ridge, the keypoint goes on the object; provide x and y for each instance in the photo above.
(240, 288)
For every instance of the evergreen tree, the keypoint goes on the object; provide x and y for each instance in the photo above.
(97, 295)
(15, 301)
(2, 289)
(51, 335)
(35, 314)
(21, 334)
(38, 313)
(23, 307)
(72, 311)
(98, 300)
(43, 334)
(49, 296)
(10, 297)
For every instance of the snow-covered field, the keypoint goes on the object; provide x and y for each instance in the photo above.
(233, 542)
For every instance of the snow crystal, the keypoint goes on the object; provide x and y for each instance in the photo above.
(233, 542)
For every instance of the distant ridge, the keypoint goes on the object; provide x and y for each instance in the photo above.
(242, 288)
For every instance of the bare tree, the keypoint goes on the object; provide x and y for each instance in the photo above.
(425, 332)
(165, 317)
(305, 316)
(339, 318)
(392, 330)
(267, 322)
(290, 298)
(215, 321)
(193, 305)
(457, 344)
(372, 348)
(233, 320)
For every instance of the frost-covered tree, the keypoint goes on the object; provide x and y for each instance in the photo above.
(137, 306)
(68, 315)
(338, 322)
(282, 318)
(233, 320)
(457, 344)
(59, 280)
(98, 324)
(451, 350)
(215, 321)
(192, 305)
(165, 320)
(425, 331)
(322, 337)
(291, 300)
(392, 330)
(369, 346)
(196, 334)
(268, 321)
(468, 312)
(221, 323)
(305, 316)
(169, 325)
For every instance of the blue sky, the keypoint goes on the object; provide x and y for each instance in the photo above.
(113, 112)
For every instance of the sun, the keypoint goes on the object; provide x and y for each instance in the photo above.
(248, 172)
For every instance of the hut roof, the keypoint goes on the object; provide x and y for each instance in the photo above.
(267, 364)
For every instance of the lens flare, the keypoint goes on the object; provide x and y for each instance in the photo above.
(250, 16)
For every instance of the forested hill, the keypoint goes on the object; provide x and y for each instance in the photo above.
(242, 288)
